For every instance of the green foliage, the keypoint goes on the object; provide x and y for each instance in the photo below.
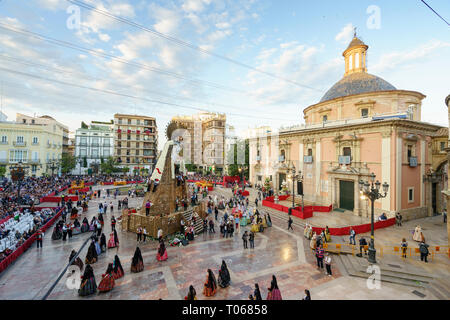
(2, 171)
(109, 166)
(233, 169)
(84, 125)
(85, 162)
(68, 163)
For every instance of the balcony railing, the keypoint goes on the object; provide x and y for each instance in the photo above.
(412, 161)
(19, 143)
(345, 160)
(308, 159)
(3, 161)
(3, 142)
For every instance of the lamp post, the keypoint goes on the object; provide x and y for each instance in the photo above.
(372, 192)
(294, 177)
(17, 175)
(53, 164)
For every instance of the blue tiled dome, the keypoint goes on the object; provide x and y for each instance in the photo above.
(357, 83)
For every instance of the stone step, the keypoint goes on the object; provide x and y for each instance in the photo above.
(356, 270)
(440, 288)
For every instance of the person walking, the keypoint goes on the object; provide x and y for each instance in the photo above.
(251, 239)
(211, 226)
(444, 213)
(216, 212)
(256, 202)
(404, 246)
(290, 221)
(144, 232)
(319, 256)
(362, 245)
(113, 223)
(205, 227)
(64, 230)
(39, 236)
(139, 234)
(398, 219)
(352, 236)
(328, 264)
(423, 248)
(244, 238)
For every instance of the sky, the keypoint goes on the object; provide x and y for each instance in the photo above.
(263, 61)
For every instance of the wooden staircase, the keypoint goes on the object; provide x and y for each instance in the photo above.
(198, 227)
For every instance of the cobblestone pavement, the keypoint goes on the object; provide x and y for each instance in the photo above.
(277, 251)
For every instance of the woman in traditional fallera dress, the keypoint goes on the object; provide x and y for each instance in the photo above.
(417, 234)
(192, 294)
(74, 213)
(88, 285)
(97, 246)
(117, 268)
(305, 231)
(85, 225)
(113, 240)
(137, 263)
(224, 276)
(103, 242)
(100, 218)
(107, 283)
(269, 220)
(257, 293)
(210, 286)
(327, 234)
(161, 254)
(254, 227)
(57, 232)
(274, 293)
(312, 242)
(77, 261)
(91, 256)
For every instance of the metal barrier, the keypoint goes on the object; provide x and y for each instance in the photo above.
(383, 250)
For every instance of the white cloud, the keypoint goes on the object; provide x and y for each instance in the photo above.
(392, 60)
(195, 5)
(167, 21)
(346, 34)
(104, 37)
(223, 25)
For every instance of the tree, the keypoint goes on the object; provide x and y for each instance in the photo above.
(109, 166)
(84, 125)
(85, 162)
(68, 163)
(2, 171)
(233, 169)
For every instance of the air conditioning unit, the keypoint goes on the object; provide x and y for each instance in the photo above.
(344, 159)
(413, 161)
(307, 159)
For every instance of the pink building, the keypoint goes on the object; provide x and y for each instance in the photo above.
(363, 124)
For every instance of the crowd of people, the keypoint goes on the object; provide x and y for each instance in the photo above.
(14, 232)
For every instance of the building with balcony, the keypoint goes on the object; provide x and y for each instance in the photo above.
(203, 138)
(363, 124)
(47, 120)
(34, 145)
(93, 143)
(135, 142)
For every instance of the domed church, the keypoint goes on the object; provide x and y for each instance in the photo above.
(362, 124)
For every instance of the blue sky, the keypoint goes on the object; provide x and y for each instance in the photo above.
(301, 41)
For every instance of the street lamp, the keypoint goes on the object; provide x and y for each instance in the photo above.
(372, 192)
(17, 175)
(294, 177)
